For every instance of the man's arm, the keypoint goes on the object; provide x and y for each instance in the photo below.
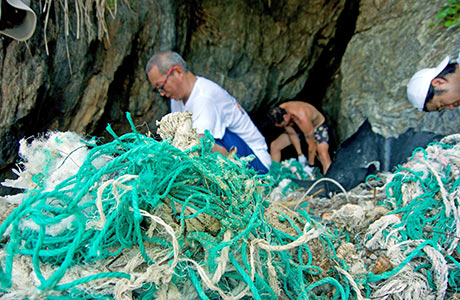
(294, 138)
(216, 147)
(308, 129)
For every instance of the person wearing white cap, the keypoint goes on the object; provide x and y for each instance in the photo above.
(436, 89)
(17, 19)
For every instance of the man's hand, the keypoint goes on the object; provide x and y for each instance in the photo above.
(220, 149)
(216, 147)
(302, 160)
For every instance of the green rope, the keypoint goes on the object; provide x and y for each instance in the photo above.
(189, 185)
(161, 175)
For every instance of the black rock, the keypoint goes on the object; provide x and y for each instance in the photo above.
(365, 153)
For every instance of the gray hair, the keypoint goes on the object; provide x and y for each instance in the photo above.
(165, 60)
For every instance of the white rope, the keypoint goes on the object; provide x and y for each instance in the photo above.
(454, 198)
(207, 281)
(406, 286)
(317, 182)
(352, 282)
(170, 231)
(444, 193)
(304, 238)
(116, 183)
(439, 269)
(376, 230)
(222, 259)
(158, 273)
(273, 275)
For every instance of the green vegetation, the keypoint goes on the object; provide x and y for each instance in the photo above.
(449, 14)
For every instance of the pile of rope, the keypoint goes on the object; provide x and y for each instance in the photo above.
(142, 219)
(398, 233)
(422, 232)
(138, 218)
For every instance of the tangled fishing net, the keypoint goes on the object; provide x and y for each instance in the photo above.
(138, 218)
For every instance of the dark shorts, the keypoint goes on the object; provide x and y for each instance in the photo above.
(231, 140)
(321, 134)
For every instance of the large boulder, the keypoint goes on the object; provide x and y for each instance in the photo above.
(366, 153)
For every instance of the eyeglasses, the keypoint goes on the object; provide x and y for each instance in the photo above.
(161, 88)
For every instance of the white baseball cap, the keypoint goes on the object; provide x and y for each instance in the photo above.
(24, 30)
(419, 84)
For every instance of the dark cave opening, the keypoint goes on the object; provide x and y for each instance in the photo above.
(321, 76)
(320, 80)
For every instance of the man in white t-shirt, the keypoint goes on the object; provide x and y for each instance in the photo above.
(212, 108)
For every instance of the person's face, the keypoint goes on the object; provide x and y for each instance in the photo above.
(284, 123)
(449, 99)
(163, 83)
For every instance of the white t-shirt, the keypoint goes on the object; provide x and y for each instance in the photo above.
(215, 109)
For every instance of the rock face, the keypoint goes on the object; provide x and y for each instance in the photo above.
(350, 58)
(393, 40)
(84, 82)
(260, 51)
